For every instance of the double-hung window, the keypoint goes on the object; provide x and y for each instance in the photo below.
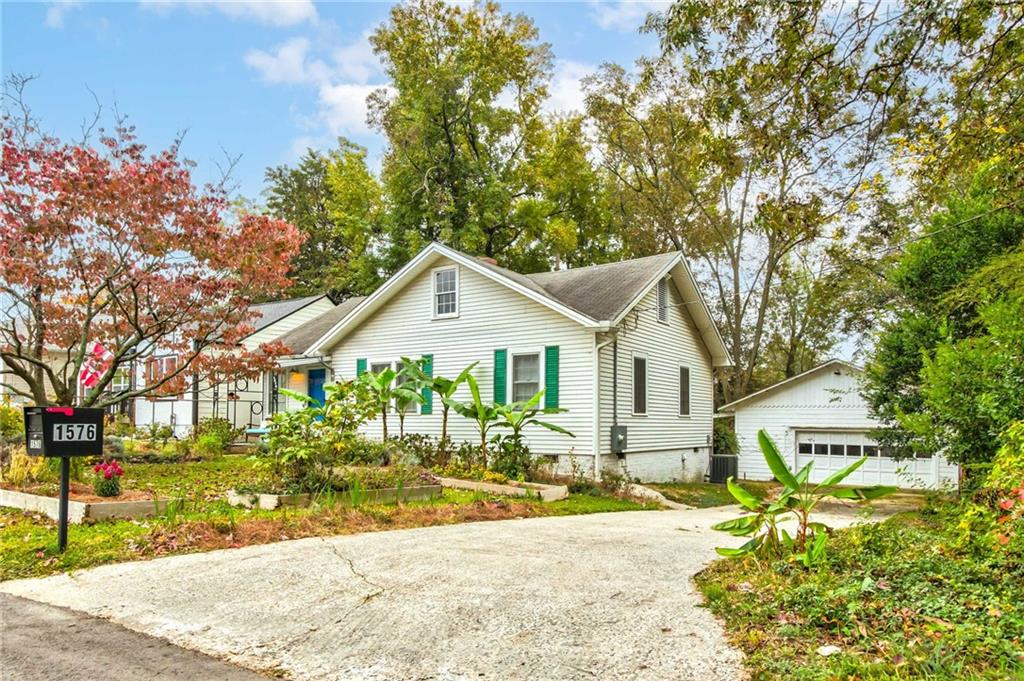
(639, 385)
(525, 376)
(446, 292)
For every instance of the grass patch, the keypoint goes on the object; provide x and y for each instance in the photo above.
(708, 494)
(897, 598)
(203, 521)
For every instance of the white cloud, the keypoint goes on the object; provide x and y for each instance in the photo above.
(357, 60)
(566, 88)
(269, 12)
(343, 80)
(287, 63)
(625, 16)
(343, 107)
(56, 11)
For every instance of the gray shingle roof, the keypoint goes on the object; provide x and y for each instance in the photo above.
(601, 292)
(301, 338)
(279, 309)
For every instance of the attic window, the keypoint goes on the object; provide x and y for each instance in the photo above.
(446, 292)
(663, 300)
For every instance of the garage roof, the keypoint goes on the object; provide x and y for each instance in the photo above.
(793, 380)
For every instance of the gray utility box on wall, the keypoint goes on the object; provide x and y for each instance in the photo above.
(619, 439)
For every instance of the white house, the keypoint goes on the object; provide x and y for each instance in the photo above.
(820, 416)
(630, 345)
(242, 401)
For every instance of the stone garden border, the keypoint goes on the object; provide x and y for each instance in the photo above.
(79, 511)
(388, 495)
(511, 488)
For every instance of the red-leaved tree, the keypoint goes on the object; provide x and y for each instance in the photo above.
(115, 245)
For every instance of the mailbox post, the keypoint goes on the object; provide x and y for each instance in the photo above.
(63, 432)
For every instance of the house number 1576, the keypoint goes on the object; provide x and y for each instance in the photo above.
(74, 432)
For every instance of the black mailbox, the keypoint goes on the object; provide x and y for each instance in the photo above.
(63, 431)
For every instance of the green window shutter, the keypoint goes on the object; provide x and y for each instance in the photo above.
(500, 375)
(551, 377)
(428, 395)
(360, 367)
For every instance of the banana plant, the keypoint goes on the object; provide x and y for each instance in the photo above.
(443, 387)
(798, 500)
(485, 415)
(383, 391)
(518, 415)
(407, 390)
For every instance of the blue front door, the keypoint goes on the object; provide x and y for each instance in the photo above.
(315, 384)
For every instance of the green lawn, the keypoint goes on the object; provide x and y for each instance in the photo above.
(204, 521)
(708, 494)
(900, 599)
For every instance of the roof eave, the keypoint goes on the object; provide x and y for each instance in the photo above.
(396, 282)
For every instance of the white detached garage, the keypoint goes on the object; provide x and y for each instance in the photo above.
(820, 416)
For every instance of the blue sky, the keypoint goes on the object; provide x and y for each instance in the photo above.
(263, 79)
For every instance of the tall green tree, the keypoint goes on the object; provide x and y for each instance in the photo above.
(336, 201)
(940, 376)
(471, 160)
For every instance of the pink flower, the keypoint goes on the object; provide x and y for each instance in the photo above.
(107, 475)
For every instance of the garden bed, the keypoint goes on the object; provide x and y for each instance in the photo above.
(388, 495)
(82, 507)
(511, 488)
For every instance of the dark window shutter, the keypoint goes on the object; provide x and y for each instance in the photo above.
(500, 375)
(428, 395)
(551, 377)
(684, 391)
(360, 367)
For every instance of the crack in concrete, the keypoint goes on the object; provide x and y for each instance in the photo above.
(352, 568)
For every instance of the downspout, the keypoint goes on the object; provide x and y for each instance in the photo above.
(597, 406)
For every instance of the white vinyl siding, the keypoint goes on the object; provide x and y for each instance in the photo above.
(491, 317)
(666, 346)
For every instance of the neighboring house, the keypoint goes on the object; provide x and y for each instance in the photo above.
(820, 416)
(564, 332)
(242, 401)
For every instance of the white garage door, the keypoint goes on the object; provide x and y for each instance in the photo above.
(832, 451)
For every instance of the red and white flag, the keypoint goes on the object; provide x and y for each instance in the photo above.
(95, 365)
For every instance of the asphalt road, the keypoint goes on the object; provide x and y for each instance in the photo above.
(40, 642)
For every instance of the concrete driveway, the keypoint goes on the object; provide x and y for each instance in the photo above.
(603, 596)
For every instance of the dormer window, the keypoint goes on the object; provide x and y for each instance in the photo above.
(446, 292)
(663, 300)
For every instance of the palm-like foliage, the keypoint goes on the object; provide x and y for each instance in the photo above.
(384, 392)
(797, 500)
(518, 415)
(445, 388)
(485, 415)
(407, 390)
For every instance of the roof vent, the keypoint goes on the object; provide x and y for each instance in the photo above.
(489, 261)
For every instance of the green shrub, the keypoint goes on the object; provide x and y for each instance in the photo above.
(208, 445)
(113, 445)
(121, 426)
(725, 442)
(219, 430)
(1007, 470)
(161, 432)
(12, 421)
